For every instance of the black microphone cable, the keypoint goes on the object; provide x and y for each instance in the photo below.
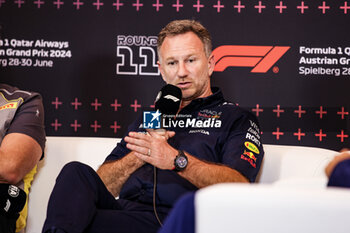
(154, 195)
(167, 102)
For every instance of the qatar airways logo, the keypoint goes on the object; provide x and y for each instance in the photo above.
(136, 55)
(261, 58)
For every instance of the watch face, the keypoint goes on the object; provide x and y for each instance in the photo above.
(181, 162)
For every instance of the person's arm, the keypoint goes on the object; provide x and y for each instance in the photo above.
(162, 155)
(19, 153)
(115, 173)
(345, 155)
(203, 174)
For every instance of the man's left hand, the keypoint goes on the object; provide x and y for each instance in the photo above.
(153, 147)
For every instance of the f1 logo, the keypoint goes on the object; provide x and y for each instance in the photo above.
(262, 58)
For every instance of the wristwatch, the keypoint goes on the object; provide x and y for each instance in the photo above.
(180, 161)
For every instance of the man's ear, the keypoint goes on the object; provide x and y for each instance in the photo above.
(160, 69)
(211, 64)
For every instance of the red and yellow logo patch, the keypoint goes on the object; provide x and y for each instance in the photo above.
(252, 147)
(9, 105)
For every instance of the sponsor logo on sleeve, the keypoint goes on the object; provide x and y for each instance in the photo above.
(249, 157)
(9, 105)
(250, 146)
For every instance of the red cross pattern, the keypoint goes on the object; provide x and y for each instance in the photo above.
(137, 4)
(56, 103)
(75, 125)
(98, 4)
(39, 3)
(345, 7)
(257, 110)
(278, 110)
(320, 135)
(299, 111)
(323, 7)
(115, 105)
(135, 105)
(117, 4)
(239, 7)
(177, 5)
(76, 103)
(96, 104)
(115, 127)
(342, 136)
(321, 112)
(343, 113)
(281, 7)
(299, 134)
(260, 7)
(278, 133)
(95, 126)
(218, 6)
(56, 124)
(157, 5)
(198, 5)
(58, 3)
(302, 7)
(78, 4)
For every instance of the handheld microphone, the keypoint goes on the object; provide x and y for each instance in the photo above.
(168, 100)
(12, 199)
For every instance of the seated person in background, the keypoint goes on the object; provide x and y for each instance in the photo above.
(338, 170)
(22, 141)
(183, 159)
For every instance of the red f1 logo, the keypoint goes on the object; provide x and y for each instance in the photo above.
(262, 58)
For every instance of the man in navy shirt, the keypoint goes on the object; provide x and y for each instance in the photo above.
(338, 170)
(213, 141)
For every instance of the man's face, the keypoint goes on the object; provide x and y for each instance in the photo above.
(183, 63)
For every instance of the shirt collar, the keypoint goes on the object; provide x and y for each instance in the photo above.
(214, 99)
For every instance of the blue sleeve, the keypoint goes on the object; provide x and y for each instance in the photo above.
(182, 217)
(243, 150)
(340, 176)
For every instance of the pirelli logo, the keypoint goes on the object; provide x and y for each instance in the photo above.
(9, 105)
(262, 58)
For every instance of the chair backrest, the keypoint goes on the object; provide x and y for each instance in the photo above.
(261, 208)
(59, 151)
(294, 162)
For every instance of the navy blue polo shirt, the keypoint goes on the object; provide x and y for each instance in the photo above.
(210, 129)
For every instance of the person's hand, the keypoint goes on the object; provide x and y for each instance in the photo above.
(344, 155)
(153, 147)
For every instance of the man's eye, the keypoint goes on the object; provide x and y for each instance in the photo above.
(171, 63)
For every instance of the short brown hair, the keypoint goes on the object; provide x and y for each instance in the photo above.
(178, 27)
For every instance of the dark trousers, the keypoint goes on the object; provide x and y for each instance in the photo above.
(80, 202)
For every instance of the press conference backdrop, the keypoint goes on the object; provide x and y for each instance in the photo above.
(94, 62)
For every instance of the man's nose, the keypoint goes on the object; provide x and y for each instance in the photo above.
(182, 70)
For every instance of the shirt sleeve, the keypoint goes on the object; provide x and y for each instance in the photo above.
(243, 150)
(29, 120)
